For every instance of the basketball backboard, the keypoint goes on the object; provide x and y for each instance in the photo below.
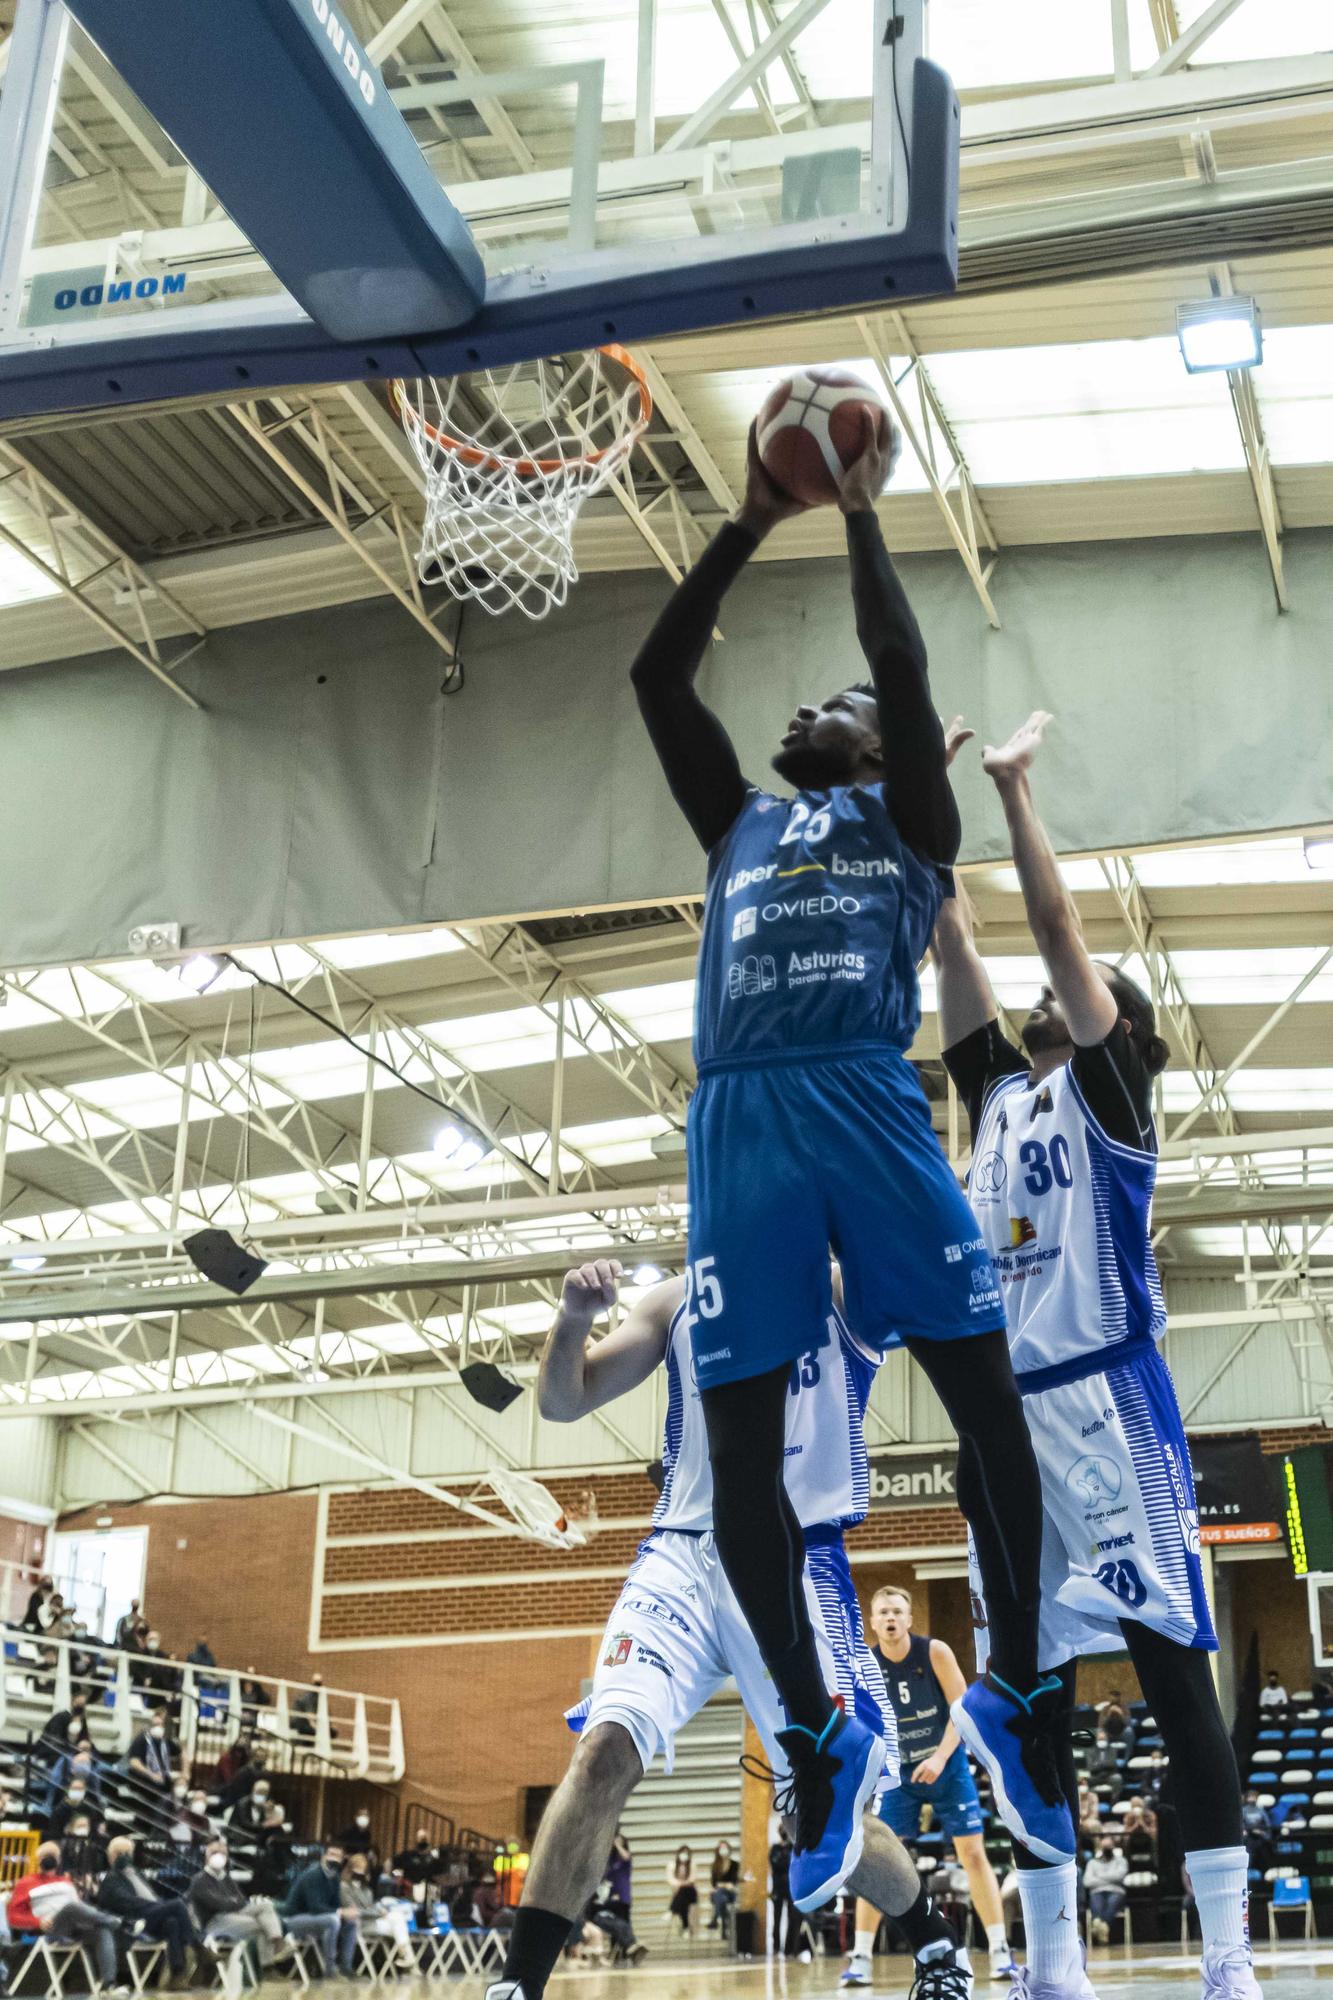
(283, 191)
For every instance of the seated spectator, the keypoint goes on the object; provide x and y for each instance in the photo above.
(53, 1616)
(724, 1885)
(40, 1598)
(313, 1904)
(1255, 1819)
(82, 1854)
(1089, 1813)
(254, 1696)
(363, 1912)
(130, 1628)
(80, 1798)
(1273, 1694)
(1104, 1762)
(234, 1759)
(246, 1777)
(201, 1655)
(61, 1731)
(12, 1815)
(273, 1861)
(357, 1838)
(604, 1917)
(487, 1900)
(128, 1894)
(684, 1891)
(152, 1756)
(417, 1864)
(1104, 1879)
(305, 1709)
(48, 1902)
(249, 1816)
(226, 1915)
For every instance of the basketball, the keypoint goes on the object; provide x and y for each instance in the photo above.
(811, 428)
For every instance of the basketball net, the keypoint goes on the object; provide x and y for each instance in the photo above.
(532, 1512)
(509, 457)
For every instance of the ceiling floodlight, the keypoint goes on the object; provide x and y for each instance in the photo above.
(1318, 850)
(199, 972)
(1219, 333)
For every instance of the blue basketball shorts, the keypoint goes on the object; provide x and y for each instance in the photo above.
(952, 1798)
(796, 1156)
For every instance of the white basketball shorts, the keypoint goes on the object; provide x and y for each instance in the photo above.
(677, 1633)
(1121, 1531)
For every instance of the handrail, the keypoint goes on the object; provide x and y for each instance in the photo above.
(369, 1725)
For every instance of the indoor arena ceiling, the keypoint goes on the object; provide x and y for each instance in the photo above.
(407, 1211)
(1120, 157)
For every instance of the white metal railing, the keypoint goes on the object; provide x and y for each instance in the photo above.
(361, 1733)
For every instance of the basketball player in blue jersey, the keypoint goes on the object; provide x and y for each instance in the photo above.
(809, 1129)
(1063, 1167)
(923, 1679)
(677, 1632)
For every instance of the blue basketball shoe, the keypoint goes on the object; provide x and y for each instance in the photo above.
(1013, 1735)
(832, 1777)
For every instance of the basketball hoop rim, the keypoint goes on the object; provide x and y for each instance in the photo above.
(527, 468)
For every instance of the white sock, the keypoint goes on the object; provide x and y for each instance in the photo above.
(995, 1937)
(865, 1944)
(1220, 1877)
(1050, 1921)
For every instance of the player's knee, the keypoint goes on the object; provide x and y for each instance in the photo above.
(606, 1764)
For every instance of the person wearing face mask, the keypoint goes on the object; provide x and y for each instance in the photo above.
(357, 1838)
(81, 1795)
(65, 1727)
(370, 1916)
(126, 1893)
(417, 1864)
(48, 1902)
(244, 1776)
(1104, 1880)
(226, 1915)
(82, 1855)
(249, 1814)
(312, 1909)
(152, 1756)
(724, 1885)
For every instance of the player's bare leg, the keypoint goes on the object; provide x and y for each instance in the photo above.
(886, 1879)
(569, 1857)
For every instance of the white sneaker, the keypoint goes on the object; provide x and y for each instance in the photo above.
(1001, 1961)
(859, 1971)
(1228, 1974)
(504, 1989)
(1076, 1986)
(804, 1957)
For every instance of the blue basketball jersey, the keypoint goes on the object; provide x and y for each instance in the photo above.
(816, 918)
(918, 1700)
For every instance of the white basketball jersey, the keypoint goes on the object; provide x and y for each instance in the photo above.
(1065, 1213)
(827, 1472)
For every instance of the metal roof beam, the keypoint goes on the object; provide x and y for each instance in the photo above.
(1188, 43)
(967, 524)
(702, 121)
(68, 534)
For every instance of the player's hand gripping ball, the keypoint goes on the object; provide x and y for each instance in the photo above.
(814, 425)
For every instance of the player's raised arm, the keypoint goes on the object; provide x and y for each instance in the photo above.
(916, 773)
(578, 1375)
(1085, 999)
(694, 750)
